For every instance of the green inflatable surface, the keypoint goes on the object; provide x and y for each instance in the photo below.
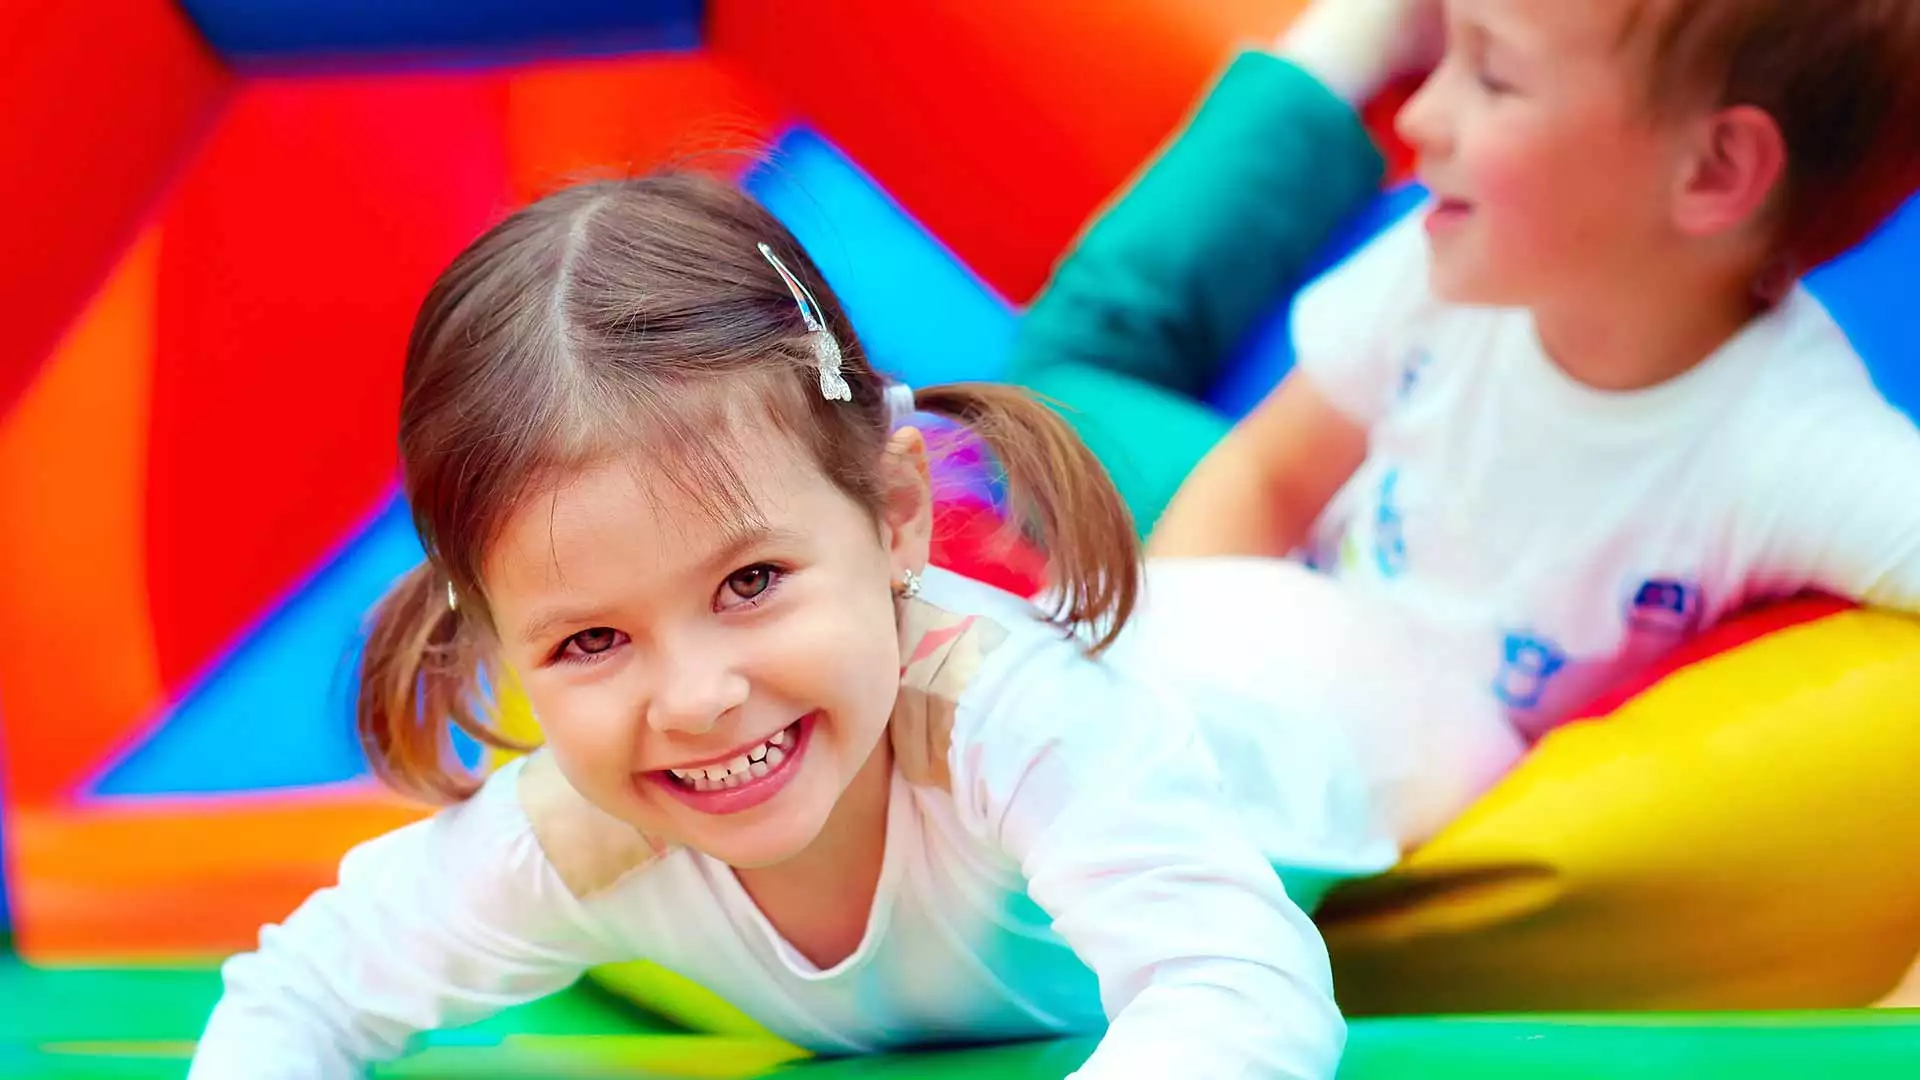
(139, 1025)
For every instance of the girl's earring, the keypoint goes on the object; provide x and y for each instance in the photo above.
(909, 586)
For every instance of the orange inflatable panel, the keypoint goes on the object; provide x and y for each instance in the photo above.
(72, 564)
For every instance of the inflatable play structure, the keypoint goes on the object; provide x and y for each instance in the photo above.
(224, 212)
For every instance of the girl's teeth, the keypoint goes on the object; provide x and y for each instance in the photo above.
(753, 764)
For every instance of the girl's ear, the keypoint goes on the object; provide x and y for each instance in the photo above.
(907, 494)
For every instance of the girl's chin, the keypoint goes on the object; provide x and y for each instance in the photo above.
(760, 846)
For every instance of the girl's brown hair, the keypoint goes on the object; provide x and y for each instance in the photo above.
(640, 314)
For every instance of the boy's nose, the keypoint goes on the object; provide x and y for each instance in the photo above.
(1421, 122)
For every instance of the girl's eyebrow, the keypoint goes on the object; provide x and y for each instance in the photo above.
(727, 555)
(724, 558)
(548, 622)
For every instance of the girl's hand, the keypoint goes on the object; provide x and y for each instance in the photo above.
(1358, 47)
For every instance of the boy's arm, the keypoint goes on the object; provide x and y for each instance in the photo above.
(1260, 491)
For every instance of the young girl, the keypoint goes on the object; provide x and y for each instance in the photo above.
(869, 802)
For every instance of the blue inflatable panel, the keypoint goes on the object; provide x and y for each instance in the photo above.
(278, 712)
(923, 315)
(1872, 295)
(1869, 291)
(325, 34)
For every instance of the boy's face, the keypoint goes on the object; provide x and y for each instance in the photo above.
(1551, 179)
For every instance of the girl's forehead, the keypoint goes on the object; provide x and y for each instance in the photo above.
(645, 513)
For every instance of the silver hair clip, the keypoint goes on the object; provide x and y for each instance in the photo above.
(453, 598)
(826, 348)
(899, 403)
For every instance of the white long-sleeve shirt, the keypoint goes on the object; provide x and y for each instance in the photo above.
(1106, 848)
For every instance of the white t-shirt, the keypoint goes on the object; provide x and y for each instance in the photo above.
(1107, 847)
(1575, 534)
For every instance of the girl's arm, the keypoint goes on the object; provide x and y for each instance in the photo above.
(1100, 790)
(438, 924)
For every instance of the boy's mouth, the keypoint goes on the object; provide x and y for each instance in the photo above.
(1447, 212)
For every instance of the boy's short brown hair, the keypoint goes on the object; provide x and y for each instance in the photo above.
(1836, 75)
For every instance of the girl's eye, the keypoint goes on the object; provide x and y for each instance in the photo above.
(590, 645)
(748, 586)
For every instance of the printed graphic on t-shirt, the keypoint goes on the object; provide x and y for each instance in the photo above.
(1389, 532)
(1531, 662)
(1666, 605)
(1411, 369)
(1541, 684)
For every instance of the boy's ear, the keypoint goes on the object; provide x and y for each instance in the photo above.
(907, 490)
(1734, 171)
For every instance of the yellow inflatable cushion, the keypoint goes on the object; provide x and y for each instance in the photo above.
(1745, 834)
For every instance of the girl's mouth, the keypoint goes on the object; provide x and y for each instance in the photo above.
(750, 777)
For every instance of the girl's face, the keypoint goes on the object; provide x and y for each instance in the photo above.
(713, 683)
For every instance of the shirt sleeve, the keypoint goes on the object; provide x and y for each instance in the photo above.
(1351, 327)
(1835, 502)
(438, 924)
(1115, 814)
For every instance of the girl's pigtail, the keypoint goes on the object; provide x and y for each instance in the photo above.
(1059, 495)
(420, 679)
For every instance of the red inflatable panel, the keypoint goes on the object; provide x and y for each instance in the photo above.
(566, 122)
(102, 102)
(971, 539)
(981, 120)
(294, 257)
(1731, 633)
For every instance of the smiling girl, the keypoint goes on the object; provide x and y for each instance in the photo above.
(870, 802)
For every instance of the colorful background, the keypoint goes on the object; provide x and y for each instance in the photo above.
(223, 213)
